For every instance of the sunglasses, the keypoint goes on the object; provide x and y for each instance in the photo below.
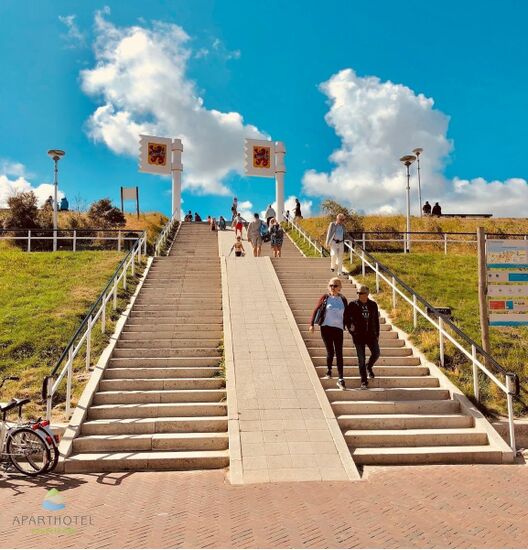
(334, 286)
(360, 293)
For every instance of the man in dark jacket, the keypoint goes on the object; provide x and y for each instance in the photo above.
(362, 319)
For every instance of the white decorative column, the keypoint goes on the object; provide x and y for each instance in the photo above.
(176, 168)
(280, 170)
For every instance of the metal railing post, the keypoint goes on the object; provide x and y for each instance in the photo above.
(49, 398)
(415, 312)
(119, 241)
(69, 382)
(133, 263)
(144, 245)
(441, 340)
(476, 389)
(363, 241)
(75, 240)
(393, 293)
(510, 384)
(445, 244)
(115, 295)
(29, 241)
(125, 269)
(103, 315)
(363, 262)
(377, 278)
(88, 343)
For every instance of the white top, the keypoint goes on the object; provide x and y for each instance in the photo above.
(270, 213)
(335, 311)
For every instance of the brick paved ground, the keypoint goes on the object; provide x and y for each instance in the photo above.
(448, 506)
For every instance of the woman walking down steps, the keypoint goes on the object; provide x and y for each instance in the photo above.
(329, 314)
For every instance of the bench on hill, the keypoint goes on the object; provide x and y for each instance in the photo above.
(466, 215)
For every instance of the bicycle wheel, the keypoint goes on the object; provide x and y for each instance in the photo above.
(28, 451)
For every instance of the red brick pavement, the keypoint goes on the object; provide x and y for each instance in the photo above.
(446, 506)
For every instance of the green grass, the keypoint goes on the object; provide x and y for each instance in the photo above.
(43, 298)
(451, 281)
(307, 249)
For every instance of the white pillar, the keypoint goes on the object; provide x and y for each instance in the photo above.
(177, 168)
(280, 170)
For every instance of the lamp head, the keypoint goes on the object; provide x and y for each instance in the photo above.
(408, 159)
(56, 154)
(417, 151)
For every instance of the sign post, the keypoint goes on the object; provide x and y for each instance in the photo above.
(132, 194)
(160, 155)
(482, 289)
(266, 159)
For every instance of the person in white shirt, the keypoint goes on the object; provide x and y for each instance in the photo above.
(335, 240)
(270, 214)
(254, 234)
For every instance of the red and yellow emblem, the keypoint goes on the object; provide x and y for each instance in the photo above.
(157, 154)
(261, 157)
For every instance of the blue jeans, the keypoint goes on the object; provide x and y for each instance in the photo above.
(373, 345)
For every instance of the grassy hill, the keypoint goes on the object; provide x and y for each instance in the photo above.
(43, 298)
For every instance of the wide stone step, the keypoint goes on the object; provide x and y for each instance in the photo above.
(153, 351)
(161, 299)
(463, 454)
(168, 424)
(174, 330)
(146, 461)
(173, 316)
(348, 350)
(165, 362)
(144, 410)
(415, 437)
(132, 340)
(304, 325)
(372, 406)
(385, 335)
(386, 382)
(159, 396)
(142, 384)
(176, 305)
(315, 341)
(379, 371)
(161, 372)
(151, 442)
(404, 421)
(382, 361)
(390, 394)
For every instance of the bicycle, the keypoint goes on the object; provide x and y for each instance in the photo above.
(22, 445)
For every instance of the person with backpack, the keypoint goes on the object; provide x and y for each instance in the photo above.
(222, 223)
(362, 321)
(256, 232)
(277, 237)
(330, 315)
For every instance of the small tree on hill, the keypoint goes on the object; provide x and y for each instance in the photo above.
(23, 212)
(102, 214)
(353, 221)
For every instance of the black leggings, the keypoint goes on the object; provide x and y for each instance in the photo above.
(333, 341)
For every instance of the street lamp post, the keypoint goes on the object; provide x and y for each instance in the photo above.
(418, 151)
(55, 155)
(407, 161)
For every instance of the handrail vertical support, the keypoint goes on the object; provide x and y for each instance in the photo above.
(445, 244)
(144, 244)
(29, 241)
(119, 241)
(75, 240)
(415, 312)
(441, 340)
(476, 389)
(69, 382)
(49, 398)
(133, 263)
(510, 384)
(363, 241)
(89, 343)
(103, 315)
(363, 262)
(115, 295)
(377, 278)
(125, 269)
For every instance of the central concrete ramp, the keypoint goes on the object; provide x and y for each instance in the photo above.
(281, 425)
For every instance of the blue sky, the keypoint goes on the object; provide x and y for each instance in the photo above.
(267, 63)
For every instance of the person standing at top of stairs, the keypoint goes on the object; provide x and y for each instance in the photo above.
(362, 318)
(329, 314)
(335, 240)
(254, 234)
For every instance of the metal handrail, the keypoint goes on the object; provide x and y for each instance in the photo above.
(164, 234)
(321, 250)
(96, 312)
(512, 386)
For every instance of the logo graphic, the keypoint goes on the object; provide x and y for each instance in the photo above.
(157, 154)
(53, 501)
(261, 157)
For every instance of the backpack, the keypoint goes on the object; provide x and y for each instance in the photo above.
(263, 230)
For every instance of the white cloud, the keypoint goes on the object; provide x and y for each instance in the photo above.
(377, 123)
(245, 209)
(73, 38)
(141, 81)
(11, 187)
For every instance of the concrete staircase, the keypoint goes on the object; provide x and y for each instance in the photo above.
(406, 416)
(161, 403)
